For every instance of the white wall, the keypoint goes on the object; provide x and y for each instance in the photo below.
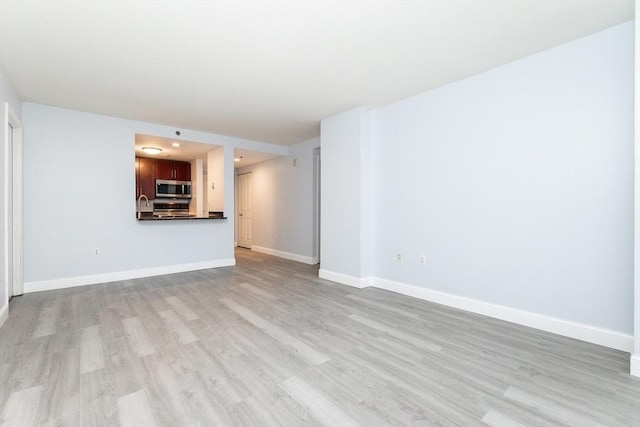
(635, 357)
(215, 179)
(345, 210)
(79, 171)
(283, 204)
(7, 95)
(516, 184)
(198, 204)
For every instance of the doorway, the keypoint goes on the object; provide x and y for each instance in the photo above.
(244, 210)
(13, 202)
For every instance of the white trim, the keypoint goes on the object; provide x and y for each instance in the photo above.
(12, 198)
(287, 255)
(7, 261)
(70, 282)
(356, 282)
(580, 331)
(4, 314)
(317, 202)
(12, 260)
(635, 365)
(13, 121)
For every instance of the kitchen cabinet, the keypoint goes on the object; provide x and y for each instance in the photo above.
(183, 171)
(145, 177)
(173, 169)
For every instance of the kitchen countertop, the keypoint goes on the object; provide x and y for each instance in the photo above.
(148, 217)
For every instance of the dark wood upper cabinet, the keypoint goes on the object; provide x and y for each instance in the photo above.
(173, 169)
(145, 177)
(164, 169)
(148, 170)
(183, 171)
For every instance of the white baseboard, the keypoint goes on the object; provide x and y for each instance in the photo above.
(70, 282)
(635, 365)
(356, 282)
(286, 255)
(580, 331)
(4, 314)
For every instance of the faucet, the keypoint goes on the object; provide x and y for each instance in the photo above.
(139, 207)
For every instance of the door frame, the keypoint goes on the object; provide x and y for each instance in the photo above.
(635, 356)
(13, 203)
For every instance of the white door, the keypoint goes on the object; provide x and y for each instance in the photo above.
(244, 210)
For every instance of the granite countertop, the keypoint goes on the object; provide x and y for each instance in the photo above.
(149, 216)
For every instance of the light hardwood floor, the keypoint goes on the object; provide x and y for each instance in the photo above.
(267, 343)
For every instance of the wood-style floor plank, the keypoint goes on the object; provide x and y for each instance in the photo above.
(305, 351)
(22, 407)
(321, 407)
(176, 325)
(134, 410)
(47, 321)
(496, 419)
(268, 343)
(181, 308)
(138, 337)
(91, 350)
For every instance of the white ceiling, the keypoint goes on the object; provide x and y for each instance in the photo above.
(267, 70)
(189, 150)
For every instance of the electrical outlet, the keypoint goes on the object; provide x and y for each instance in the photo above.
(399, 257)
(423, 259)
(96, 251)
(276, 235)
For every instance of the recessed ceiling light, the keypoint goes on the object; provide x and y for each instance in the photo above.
(175, 144)
(152, 150)
(236, 159)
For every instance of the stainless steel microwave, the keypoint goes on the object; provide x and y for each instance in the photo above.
(173, 189)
